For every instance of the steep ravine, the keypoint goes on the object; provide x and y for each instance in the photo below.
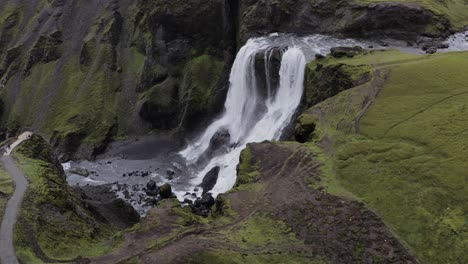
(113, 69)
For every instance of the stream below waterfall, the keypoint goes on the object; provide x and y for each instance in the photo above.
(255, 110)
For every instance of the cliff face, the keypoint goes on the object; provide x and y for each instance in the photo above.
(83, 73)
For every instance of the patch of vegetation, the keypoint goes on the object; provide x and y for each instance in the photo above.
(232, 257)
(259, 230)
(53, 221)
(325, 81)
(86, 102)
(405, 156)
(248, 170)
(7, 187)
(201, 79)
(29, 101)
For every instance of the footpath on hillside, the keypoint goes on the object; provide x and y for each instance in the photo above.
(7, 250)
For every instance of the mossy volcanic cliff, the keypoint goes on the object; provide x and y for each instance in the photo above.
(85, 73)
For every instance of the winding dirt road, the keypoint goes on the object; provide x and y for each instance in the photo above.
(7, 250)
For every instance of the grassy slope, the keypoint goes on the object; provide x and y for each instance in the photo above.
(52, 215)
(408, 162)
(455, 10)
(7, 188)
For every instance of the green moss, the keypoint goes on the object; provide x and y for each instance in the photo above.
(259, 230)
(86, 102)
(248, 170)
(405, 157)
(28, 102)
(232, 257)
(327, 78)
(132, 260)
(7, 188)
(201, 79)
(51, 214)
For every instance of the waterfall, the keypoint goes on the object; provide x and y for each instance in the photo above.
(249, 117)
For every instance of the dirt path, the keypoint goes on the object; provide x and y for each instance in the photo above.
(7, 250)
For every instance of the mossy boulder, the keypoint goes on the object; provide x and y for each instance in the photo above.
(248, 168)
(325, 81)
(305, 126)
(165, 191)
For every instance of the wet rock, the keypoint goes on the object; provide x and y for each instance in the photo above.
(151, 185)
(207, 200)
(202, 207)
(382, 43)
(340, 52)
(126, 194)
(152, 192)
(431, 50)
(79, 171)
(188, 201)
(433, 45)
(220, 139)
(210, 179)
(165, 191)
(319, 56)
(126, 211)
(170, 174)
(151, 202)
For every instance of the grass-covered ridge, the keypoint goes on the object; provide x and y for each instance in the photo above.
(404, 154)
(7, 187)
(53, 223)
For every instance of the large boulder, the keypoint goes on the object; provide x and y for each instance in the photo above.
(210, 179)
(202, 207)
(165, 191)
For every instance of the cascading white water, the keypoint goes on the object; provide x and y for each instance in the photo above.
(242, 117)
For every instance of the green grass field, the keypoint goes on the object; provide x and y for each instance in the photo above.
(408, 162)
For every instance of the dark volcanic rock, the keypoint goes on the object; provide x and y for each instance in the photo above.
(210, 179)
(202, 207)
(165, 191)
(125, 211)
(151, 185)
(103, 202)
(220, 139)
(431, 50)
(340, 52)
(79, 171)
(394, 20)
